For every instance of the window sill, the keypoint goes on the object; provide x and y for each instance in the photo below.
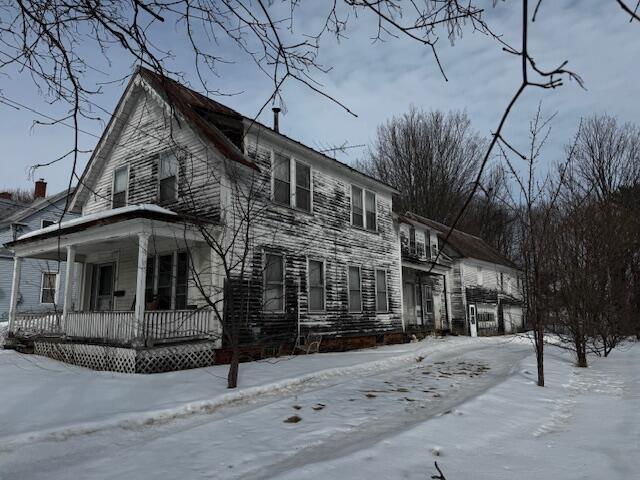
(362, 229)
(295, 209)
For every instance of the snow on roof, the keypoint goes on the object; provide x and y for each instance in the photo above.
(97, 216)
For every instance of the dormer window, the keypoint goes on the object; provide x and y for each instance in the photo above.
(286, 192)
(168, 177)
(363, 209)
(120, 185)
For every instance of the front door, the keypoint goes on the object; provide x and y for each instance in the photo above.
(437, 311)
(473, 323)
(103, 287)
(409, 306)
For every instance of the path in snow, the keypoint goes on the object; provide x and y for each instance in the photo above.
(339, 415)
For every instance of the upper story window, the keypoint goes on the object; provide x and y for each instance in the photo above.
(286, 192)
(120, 187)
(357, 218)
(479, 279)
(274, 283)
(47, 223)
(412, 239)
(355, 289)
(363, 209)
(316, 286)
(168, 176)
(502, 281)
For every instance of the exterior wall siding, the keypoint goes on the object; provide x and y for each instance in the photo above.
(147, 132)
(325, 234)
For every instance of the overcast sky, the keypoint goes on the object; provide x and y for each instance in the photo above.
(379, 80)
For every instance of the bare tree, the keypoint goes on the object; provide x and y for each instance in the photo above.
(533, 205)
(597, 238)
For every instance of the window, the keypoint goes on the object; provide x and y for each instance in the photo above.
(182, 279)
(316, 286)
(412, 240)
(287, 192)
(47, 223)
(120, 183)
(274, 283)
(501, 281)
(167, 281)
(363, 208)
(479, 279)
(428, 299)
(382, 303)
(48, 291)
(355, 290)
(168, 176)
(356, 207)
(370, 207)
(303, 186)
(282, 179)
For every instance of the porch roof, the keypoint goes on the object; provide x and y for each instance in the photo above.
(148, 211)
(107, 230)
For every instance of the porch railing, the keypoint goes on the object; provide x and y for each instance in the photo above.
(158, 326)
(109, 326)
(44, 323)
(179, 324)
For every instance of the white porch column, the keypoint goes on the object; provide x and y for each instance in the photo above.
(15, 291)
(68, 285)
(141, 282)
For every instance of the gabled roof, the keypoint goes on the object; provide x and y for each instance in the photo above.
(193, 105)
(26, 211)
(8, 207)
(464, 243)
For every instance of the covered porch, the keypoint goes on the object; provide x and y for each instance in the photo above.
(129, 281)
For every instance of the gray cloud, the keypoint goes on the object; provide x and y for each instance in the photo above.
(378, 80)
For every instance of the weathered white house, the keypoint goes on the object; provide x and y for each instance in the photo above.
(193, 214)
(467, 288)
(42, 281)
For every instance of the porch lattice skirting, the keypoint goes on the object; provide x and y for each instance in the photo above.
(129, 360)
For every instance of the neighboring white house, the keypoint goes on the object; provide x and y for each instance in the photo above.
(42, 281)
(479, 289)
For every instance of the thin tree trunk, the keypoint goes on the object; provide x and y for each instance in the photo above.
(539, 333)
(234, 366)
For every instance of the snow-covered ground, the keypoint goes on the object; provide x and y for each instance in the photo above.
(470, 404)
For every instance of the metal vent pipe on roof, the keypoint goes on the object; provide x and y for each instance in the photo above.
(276, 122)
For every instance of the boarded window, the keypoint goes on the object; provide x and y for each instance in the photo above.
(316, 286)
(355, 290)
(48, 293)
(479, 279)
(274, 283)
(282, 179)
(370, 205)
(356, 207)
(120, 181)
(303, 186)
(168, 174)
(382, 303)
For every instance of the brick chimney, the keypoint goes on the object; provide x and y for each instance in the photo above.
(40, 191)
